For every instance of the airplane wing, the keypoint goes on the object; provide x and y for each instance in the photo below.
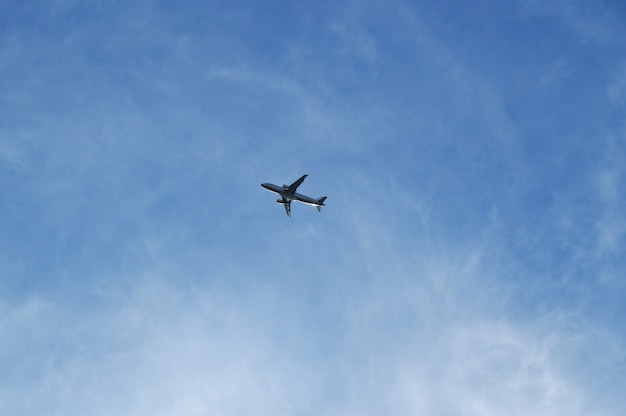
(294, 186)
(287, 205)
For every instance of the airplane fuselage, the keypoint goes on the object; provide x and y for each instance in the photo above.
(285, 194)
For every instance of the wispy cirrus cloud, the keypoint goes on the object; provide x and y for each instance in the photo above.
(460, 266)
(410, 339)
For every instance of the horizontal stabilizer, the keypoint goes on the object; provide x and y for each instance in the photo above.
(320, 203)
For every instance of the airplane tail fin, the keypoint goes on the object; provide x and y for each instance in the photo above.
(321, 203)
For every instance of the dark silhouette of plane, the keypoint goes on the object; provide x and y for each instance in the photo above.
(288, 194)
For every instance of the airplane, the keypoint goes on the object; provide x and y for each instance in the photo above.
(288, 193)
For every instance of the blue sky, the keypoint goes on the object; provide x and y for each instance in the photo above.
(470, 259)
